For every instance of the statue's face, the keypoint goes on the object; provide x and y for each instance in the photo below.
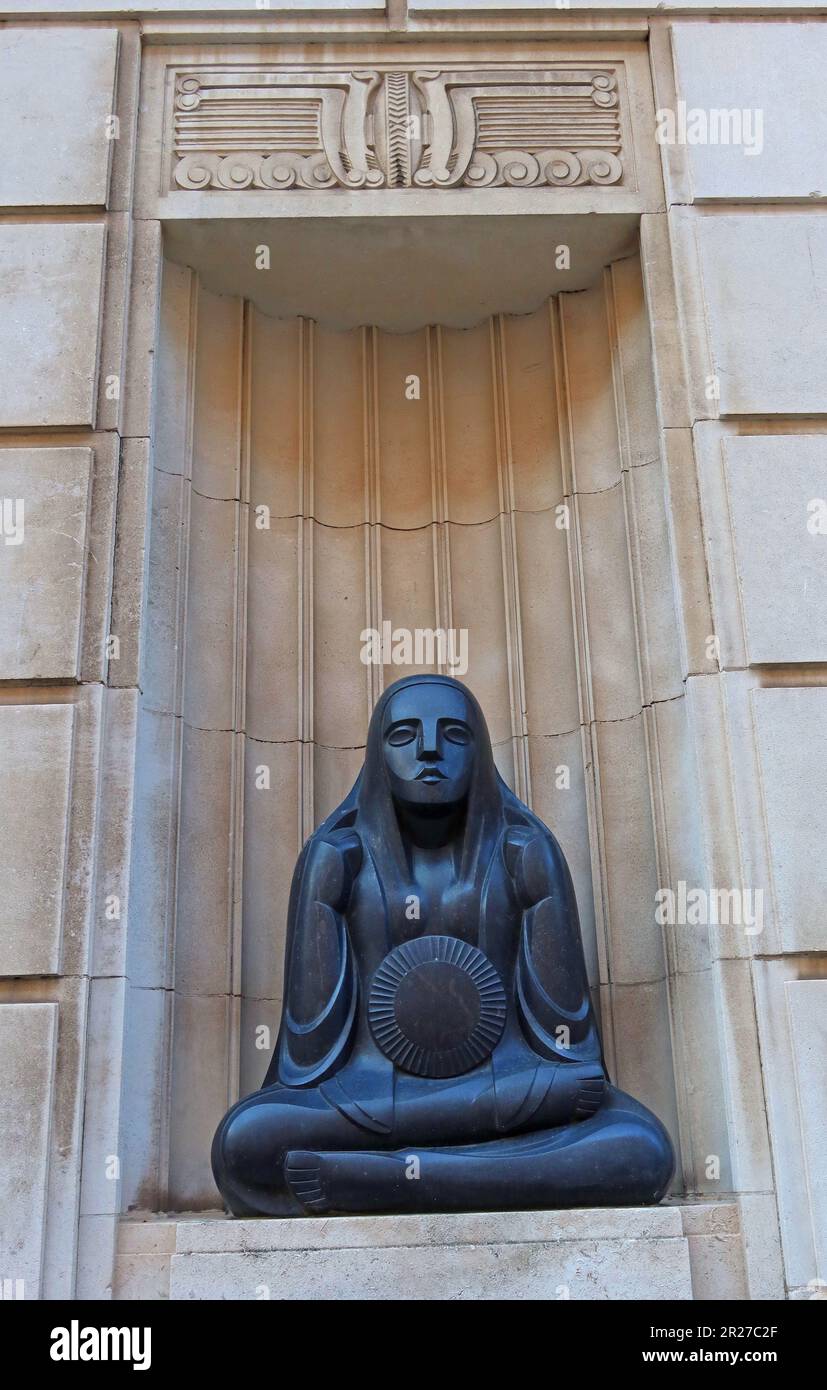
(428, 739)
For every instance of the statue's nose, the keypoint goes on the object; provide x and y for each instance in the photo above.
(430, 744)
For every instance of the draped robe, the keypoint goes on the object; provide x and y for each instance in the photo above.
(513, 899)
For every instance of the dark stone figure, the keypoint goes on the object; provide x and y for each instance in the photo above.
(438, 1049)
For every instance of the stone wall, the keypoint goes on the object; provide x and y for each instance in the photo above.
(749, 242)
(688, 404)
(68, 249)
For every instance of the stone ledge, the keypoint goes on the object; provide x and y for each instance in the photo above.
(683, 1251)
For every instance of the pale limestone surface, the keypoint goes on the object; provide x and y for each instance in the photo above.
(50, 302)
(762, 1246)
(772, 978)
(590, 5)
(639, 1048)
(531, 1249)
(628, 1253)
(70, 1104)
(43, 577)
(423, 267)
(807, 1003)
(765, 283)
(790, 727)
(57, 87)
(463, 1228)
(622, 1269)
(100, 543)
(723, 614)
(750, 1148)
(35, 768)
(771, 69)
(295, 7)
(778, 497)
(28, 1035)
(97, 1244)
(129, 567)
(751, 862)
(716, 1253)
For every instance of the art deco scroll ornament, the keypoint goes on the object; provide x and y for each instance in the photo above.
(250, 127)
(438, 1049)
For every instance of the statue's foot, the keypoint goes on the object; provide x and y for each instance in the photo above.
(591, 1093)
(560, 1093)
(303, 1175)
(342, 1181)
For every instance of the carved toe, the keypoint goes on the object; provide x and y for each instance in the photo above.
(302, 1172)
(590, 1096)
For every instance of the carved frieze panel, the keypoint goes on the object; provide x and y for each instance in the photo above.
(236, 127)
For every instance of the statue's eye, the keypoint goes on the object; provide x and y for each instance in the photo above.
(402, 734)
(457, 733)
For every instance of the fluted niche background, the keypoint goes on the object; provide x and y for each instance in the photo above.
(439, 511)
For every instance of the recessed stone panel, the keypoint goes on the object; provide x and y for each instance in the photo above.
(45, 496)
(778, 497)
(753, 125)
(35, 771)
(765, 281)
(28, 1035)
(57, 91)
(793, 753)
(50, 301)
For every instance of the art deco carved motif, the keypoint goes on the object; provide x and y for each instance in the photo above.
(246, 127)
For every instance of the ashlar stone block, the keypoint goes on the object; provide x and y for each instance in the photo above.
(777, 488)
(57, 98)
(51, 277)
(35, 772)
(547, 1255)
(28, 1035)
(765, 280)
(44, 494)
(790, 727)
(807, 1004)
(753, 129)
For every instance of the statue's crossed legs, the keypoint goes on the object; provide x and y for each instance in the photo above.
(286, 1151)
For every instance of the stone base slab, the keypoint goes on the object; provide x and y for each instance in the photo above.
(682, 1251)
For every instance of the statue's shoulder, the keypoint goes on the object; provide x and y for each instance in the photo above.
(532, 856)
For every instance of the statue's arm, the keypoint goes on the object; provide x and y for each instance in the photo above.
(552, 986)
(320, 973)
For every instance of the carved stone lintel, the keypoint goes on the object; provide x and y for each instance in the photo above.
(239, 128)
(247, 127)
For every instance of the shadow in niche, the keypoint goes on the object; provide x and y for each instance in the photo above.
(401, 273)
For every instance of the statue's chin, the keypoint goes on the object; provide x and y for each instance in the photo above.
(429, 799)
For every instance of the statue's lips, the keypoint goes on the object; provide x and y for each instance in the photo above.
(430, 774)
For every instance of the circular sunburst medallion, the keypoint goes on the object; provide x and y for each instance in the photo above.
(436, 1006)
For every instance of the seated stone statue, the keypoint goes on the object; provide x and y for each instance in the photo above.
(438, 1050)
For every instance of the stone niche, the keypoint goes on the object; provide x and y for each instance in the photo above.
(418, 413)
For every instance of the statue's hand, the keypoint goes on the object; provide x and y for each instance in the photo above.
(553, 1001)
(320, 1004)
